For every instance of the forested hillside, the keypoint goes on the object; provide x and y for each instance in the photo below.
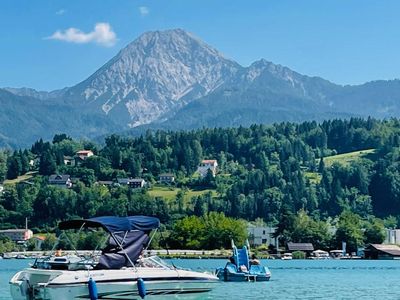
(273, 172)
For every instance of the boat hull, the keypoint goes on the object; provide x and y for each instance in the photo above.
(226, 275)
(120, 285)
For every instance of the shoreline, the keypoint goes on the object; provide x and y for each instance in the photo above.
(166, 254)
(169, 254)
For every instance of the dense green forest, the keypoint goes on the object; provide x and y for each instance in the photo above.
(274, 173)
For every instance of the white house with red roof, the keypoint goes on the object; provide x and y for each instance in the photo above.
(207, 164)
(84, 154)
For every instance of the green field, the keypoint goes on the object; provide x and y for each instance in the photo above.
(20, 178)
(347, 158)
(344, 159)
(169, 193)
(314, 177)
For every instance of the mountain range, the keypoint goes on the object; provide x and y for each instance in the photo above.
(173, 80)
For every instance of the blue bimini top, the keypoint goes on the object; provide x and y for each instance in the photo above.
(113, 224)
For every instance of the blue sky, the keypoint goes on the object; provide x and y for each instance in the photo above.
(345, 41)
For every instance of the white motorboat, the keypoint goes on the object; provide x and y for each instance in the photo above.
(119, 273)
(287, 256)
(320, 254)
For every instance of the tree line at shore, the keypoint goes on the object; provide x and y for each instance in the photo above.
(275, 173)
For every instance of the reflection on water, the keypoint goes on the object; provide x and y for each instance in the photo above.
(295, 279)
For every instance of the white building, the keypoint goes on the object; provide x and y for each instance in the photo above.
(207, 164)
(166, 178)
(392, 236)
(84, 154)
(261, 235)
(63, 181)
(17, 235)
(132, 182)
(69, 161)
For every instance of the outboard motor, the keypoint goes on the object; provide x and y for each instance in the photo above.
(24, 287)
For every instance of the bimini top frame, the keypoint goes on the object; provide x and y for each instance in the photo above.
(128, 237)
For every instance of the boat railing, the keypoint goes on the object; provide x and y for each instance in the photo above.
(153, 262)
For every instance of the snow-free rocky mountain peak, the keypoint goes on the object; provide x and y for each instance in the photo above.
(158, 72)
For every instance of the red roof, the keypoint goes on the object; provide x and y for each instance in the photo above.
(209, 161)
(84, 152)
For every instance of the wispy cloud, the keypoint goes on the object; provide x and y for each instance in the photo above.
(144, 11)
(102, 34)
(61, 12)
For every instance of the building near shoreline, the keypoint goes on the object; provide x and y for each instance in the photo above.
(392, 236)
(261, 235)
(308, 248)
(381, 251)
(17, 235)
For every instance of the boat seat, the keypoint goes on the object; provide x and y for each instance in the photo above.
(231, 268)
(257, 269)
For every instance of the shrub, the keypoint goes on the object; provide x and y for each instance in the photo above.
(299, 255)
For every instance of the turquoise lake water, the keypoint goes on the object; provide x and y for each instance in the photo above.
(296, 279)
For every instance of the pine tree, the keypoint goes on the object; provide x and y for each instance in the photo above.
(321, 165)
(13, 167)
(47, 164)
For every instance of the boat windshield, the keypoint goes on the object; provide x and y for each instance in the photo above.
(153, 262)
(66, 262)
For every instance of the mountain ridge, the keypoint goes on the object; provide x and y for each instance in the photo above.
(172, 79)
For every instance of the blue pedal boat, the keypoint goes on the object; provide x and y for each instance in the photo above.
(241, 269)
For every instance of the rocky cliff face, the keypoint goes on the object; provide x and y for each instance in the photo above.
(158, 72)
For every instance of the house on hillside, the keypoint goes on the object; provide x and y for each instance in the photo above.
(134, 183)
(381, 251)
(166, 178)
(1, 188)
(63, 181)
(84, 154)
(69, 161)
(207, 164)
(81, 156)
(308, 248)
(107, 183)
